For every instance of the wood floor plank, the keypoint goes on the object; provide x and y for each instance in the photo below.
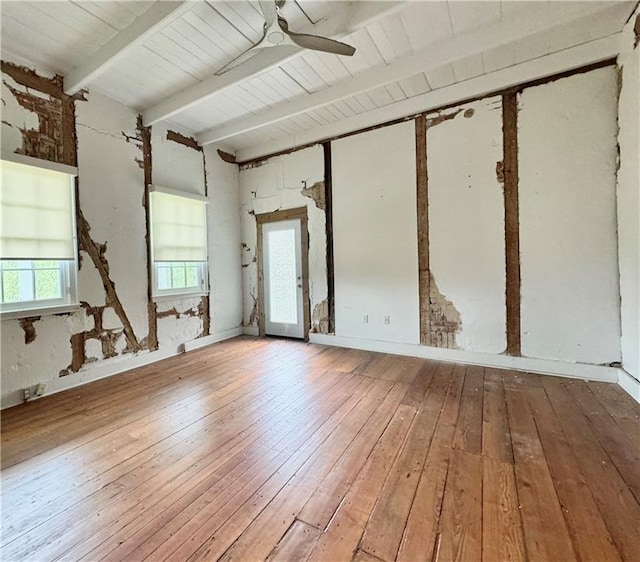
(141, 522)
(255, 449)
(496, 435)
(296, 544)
(614, 499)
(590, 536)
(213, 538)
(622, 448)
(55, 499)
(321, 506)
(421, 530)
(117, 502)
(468, 434)
(172, 525)
(340, 540)
(385, 527)
(502, 537)
(460, 524)
(546, 535)
(268, 526)
(416, 391)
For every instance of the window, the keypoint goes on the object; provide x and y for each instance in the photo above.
(178, 242)
(38, 263)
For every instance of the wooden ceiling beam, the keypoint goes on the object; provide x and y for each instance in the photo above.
(343, 21)
(160, 14)
(522, 25)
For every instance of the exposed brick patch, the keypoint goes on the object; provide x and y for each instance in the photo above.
(444, 318)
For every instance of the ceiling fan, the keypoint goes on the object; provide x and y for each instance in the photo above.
(276, 33)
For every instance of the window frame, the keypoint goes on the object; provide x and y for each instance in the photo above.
(203, 266)
(71, 302)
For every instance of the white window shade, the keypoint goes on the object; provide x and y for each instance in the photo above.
(178, 228)
(37, 213)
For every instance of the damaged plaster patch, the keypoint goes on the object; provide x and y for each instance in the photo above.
(315, 192)
(253, 316)
(441, 117)
(444, 318)
(227, 157)
(29, 329)
(144, 139)
(500, 171)
(97, 254)
(320, 318)
(244, 249)
(105, 338)
(55, 138)
(189, 142)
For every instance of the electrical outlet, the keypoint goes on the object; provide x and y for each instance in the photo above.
(26, 394)
(365, 318)
(387, 319)
(40, 389)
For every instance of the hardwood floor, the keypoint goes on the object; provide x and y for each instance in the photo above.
(274, 450)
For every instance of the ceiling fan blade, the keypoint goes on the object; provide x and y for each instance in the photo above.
(242, 57)
(315, 42)
(268, 8)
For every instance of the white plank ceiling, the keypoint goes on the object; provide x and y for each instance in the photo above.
(58, 36)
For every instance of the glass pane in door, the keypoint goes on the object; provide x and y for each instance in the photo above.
(283, 304)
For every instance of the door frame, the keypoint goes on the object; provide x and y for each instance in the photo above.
(277, 216)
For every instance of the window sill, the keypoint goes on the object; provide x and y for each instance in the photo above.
(44, 311)
(179, 296)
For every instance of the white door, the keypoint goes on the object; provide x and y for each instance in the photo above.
(282, 270)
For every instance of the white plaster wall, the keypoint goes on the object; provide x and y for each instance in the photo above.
(225, 271)
(14, 117)
(277, 184)
(175, 165)
(111, 198)
(629, 200)
(375, 234)
(466, 221)
(568, 245)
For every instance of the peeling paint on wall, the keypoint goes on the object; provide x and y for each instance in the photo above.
(29, 329)
(315, 192)
(320, 318)
(444, 318)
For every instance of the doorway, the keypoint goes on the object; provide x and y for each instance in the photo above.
(283, 287)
